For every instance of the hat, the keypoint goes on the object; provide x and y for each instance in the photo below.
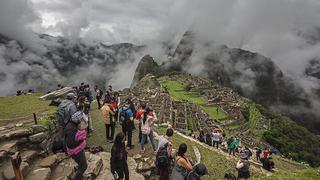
(70, 95)
(243, 156)
(201, 169)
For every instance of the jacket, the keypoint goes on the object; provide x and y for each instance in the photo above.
(107, 113)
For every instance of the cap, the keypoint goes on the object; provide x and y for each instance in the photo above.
(201, 169)
(243, 156)
(70, 95)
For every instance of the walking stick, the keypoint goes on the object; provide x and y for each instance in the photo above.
(16, 162)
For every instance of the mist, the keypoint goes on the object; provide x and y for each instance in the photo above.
(287, 31)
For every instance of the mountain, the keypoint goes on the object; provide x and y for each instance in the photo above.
(251, 74)
(146, 65)
(61, 62)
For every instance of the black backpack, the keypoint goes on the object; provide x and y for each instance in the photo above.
(162, 157)
(123, 116)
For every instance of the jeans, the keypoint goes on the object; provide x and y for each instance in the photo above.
(140, 135)
(81, 160)
(127, 130)
(143, 140)
(215, 143)
(109, 135)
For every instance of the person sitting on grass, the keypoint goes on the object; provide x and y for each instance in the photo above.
(182, 164)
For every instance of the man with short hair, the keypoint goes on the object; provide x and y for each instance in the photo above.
(126, 119)
(98, 95)
(165, 145)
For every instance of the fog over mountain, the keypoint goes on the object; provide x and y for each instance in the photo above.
(81, 33)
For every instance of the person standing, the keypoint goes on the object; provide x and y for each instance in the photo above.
(75, 137)
(64, 113)
(182, 164)
(108, 118)
(126, 119)
(118, 160)
(98, 95)
(243, 167)
(216, 137)
(164, 155)
(198, 171)
(139, 114)
(147, 121)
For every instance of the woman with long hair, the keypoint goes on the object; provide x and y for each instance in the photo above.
(182, 163)
(118, 162)
(147, 122)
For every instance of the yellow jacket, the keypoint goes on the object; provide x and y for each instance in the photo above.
(106, 111)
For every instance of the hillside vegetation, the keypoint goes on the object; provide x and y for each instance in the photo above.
(293, 140)
(24, 105)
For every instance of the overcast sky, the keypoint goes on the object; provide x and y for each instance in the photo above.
(284, 30)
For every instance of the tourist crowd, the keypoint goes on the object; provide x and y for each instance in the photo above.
(75, 123)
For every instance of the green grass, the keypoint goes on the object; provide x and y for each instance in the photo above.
(176, 90)
(214, 112)
(25, 105)
(304, 174)
(254, 115)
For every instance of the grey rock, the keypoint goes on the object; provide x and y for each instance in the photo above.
(38, 128)
(28, 155)
(8, 173)
(23, 140)
(40, 174)
(49, 161)
(37, 138)
(64, 169)
(9, 146)
(19, 133)
(94, 166)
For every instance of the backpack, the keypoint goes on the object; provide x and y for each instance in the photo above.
(63, 115)
(162, 157)
(123, 116)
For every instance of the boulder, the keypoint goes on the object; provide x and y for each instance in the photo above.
(28, 155)
(38, 128)
(8, 173)
(40, 174)
(8, 147)
(37, 138)
(94, 166)
(48, 161)
(23, 140)
(64, 169)
(19, 133)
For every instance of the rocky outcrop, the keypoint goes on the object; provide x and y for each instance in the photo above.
(147, 65)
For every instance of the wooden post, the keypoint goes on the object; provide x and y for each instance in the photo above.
(35, 118)
(16, 162)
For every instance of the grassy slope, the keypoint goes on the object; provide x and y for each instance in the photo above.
(304, 174)
(25, 105)
(176, 90)
(216, 164)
